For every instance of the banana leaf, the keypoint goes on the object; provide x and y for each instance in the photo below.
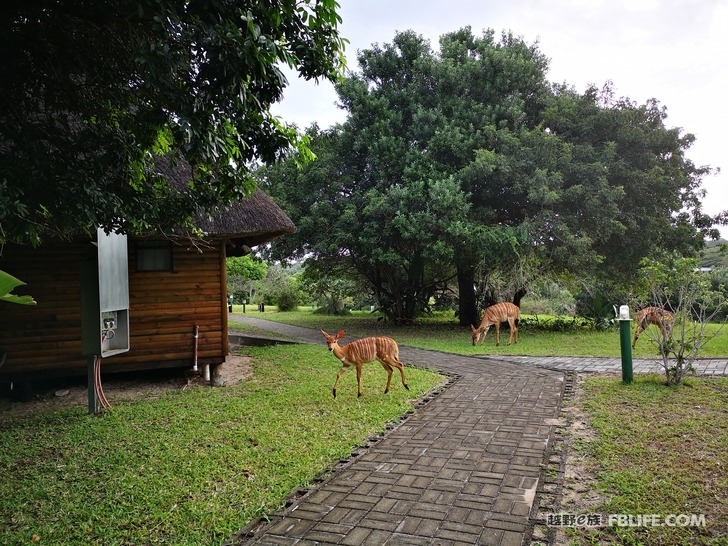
(7, 284)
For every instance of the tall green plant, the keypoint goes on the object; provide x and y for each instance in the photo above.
(7, 284)
(676, 284)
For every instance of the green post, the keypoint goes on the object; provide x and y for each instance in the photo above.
(624, 341)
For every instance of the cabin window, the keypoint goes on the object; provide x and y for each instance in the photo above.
(154, 256)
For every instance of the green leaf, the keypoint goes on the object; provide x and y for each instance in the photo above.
(7, 284)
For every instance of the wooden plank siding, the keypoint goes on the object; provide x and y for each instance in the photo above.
(44, 340)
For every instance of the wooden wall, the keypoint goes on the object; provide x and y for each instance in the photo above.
(44, 340)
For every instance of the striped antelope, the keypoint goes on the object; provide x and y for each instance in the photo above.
(493, 316)
(359, 352)
(657, 316)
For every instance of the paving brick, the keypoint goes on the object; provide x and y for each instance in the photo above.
(474, 503)
(384, 505)
(402, 507)
(286, 525)
(457, 536)
(491, 537)
(336, 515)
(511, 539)
(504, 525)
(502, 505)
(373, 522)
(404, 540)
(273, 540)
(376, 538)
(520, 509)
(489, 490)
(458, 514)
(429, 510)
(464, 528)
(356, 536)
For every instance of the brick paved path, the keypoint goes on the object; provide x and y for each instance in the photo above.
(463, 469)
(703, 367)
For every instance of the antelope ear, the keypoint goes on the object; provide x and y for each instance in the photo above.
(472, 328)
(340, 335)
(324, 333)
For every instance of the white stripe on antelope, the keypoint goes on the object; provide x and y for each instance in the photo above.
(493, 316)
(359, 352)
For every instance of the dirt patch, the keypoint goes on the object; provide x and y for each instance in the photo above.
(579, 494)
(72, 392)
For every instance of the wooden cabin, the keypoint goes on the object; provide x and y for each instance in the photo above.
(175, 287)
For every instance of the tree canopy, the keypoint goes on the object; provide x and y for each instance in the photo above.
(93, 93)
(246, 267)
(468, 163)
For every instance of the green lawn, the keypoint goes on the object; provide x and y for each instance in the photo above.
(657, 450)
(194, 467)
(443, 333)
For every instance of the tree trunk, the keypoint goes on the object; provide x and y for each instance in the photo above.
(468, 308)
(518, 296)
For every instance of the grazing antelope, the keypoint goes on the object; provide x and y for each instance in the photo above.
(657, 316)
(359, 352)
(494, 315)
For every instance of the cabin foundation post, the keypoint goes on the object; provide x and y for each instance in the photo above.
(216, 378)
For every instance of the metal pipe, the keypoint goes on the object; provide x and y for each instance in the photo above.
(197, 335)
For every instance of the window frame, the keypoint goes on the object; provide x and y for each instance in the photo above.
(156, 262)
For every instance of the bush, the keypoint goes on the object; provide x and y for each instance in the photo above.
(677, 284)
(547, 297)
(556, 324)
(600, 307)
(287, 299)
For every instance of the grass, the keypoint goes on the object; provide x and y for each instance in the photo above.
(195, 466)
(443, 333)
(659, 450)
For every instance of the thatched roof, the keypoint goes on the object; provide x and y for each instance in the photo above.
(252, 221)
(247, 223)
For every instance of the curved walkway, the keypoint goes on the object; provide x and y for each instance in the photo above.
(463, 469)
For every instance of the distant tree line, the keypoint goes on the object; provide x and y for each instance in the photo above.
(715, 254)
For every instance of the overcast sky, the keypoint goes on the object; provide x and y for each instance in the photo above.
(673, 50)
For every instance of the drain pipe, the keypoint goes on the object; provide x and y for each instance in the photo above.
(197, 335)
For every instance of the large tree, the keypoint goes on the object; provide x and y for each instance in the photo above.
(468, 164)
(629, 188)
(399, 210)
(93, 93)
